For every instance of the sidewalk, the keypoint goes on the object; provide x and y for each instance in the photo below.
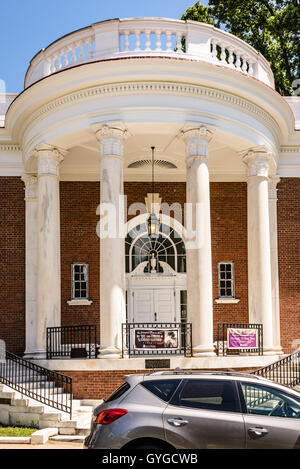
(49, 445)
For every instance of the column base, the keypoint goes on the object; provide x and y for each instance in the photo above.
(35, 355)
(110, 352)
(203, 351)
(272, 350)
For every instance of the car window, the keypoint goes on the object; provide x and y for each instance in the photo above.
(209, 394)
(164, 389)
(118, 392)
(264, 400)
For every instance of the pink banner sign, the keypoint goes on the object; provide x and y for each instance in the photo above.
(242, 338)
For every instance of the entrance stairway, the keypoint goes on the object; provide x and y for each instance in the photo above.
(18, 410)
(31, 395)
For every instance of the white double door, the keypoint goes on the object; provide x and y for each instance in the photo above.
(153, 305)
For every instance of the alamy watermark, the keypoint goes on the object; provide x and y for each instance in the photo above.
(188, 224)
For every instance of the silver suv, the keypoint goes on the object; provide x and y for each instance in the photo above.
(191, 410)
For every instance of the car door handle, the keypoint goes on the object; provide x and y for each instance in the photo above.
(178, 422)
(257, 432)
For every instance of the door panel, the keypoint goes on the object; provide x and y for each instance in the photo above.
(143, 306)
(206, 415)
(272, 419)
(204, 429)
(265, 432)
(164, 305)
(153, 305)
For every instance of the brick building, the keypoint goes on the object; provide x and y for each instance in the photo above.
(102, 108)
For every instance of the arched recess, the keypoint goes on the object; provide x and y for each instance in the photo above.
(155, 271)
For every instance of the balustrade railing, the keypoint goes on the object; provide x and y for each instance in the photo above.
(149, 37)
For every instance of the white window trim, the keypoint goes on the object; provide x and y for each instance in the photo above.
(227, 299)
(79, 301)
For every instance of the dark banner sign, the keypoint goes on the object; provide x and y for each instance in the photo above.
(156, 339)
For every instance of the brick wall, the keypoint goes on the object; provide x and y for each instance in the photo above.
(79, 243)
(12, 264)
(289, 262)
(100, 384)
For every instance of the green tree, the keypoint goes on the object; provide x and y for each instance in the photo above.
(270, 26)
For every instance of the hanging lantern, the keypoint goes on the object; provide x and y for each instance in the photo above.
(153, 221)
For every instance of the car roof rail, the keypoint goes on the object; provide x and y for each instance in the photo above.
(179, 371)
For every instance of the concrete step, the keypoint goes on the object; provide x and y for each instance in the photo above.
(28, 411)
(68, 438)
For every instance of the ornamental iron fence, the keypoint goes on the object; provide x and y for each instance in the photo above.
(239, 339)
(72, 342)
(159, 339)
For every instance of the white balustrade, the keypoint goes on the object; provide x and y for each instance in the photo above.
(228, 55)
(150, 37)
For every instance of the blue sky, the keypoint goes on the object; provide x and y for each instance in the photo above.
(29, 25)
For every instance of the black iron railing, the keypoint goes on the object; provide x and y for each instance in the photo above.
(146, 339)
(230, 342)
(72, 342)
(285, 371)
(46, 386)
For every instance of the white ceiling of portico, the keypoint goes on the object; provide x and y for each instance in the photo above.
(82, 159)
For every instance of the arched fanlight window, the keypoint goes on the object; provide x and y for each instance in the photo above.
(167, 247)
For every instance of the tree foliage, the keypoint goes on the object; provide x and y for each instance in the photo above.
(270, 26)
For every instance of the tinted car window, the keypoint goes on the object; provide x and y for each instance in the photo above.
(119, 392)
(164, 389)
(263, 400)
(210, 395)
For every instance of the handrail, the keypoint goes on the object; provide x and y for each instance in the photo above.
(149, 37)
(46, 386)
(285, 371)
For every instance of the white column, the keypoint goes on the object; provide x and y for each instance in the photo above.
(112, 244)
(259, 254)
(30, 181)
(199, 261)
(48, 226)
(273, 181)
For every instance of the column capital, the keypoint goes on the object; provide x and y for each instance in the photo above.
(197, 139)
(257, 161)
(111, 138)
(49, 159)
(30, 182)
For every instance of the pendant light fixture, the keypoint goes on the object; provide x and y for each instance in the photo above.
(153, 220)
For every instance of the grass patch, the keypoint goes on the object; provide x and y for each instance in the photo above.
(16, 431)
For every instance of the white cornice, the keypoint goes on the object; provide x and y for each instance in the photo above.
(290, 149)
(10, 148)
(157, 87)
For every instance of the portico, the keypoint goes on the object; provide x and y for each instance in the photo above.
(152, 294)
(213, 119)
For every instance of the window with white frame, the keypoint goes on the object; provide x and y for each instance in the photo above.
(80, 274)
(226, 279)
